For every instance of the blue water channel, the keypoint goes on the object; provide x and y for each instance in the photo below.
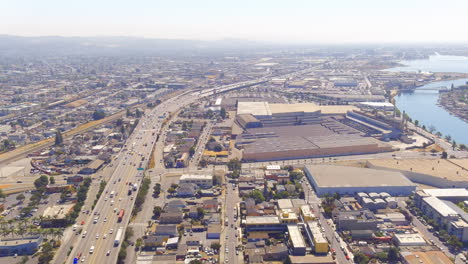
(422, 105)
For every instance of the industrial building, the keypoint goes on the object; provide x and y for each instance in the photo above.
(296, 240)
(297, 147)
(350, 180)
(271, 115)
(203, 181)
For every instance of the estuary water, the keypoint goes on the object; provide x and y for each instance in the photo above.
(422, 104)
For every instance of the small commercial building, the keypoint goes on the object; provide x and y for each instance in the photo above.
(19, 246)
(56, 216)
(263, 223)
(296, 240)
(409, 240)
(320, 243)
(214, 231)
(426, 257)
(306, 213)
(203, 181)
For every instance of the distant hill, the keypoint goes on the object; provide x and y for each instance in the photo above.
(54, 45)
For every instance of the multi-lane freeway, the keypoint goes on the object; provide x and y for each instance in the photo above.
(96, 243)
(101, 235)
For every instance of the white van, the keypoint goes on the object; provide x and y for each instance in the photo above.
(84, 234)
(91, 250)
(74, 227)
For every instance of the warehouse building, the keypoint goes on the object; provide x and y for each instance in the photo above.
(297, 147)
(350, 180)
(271, 115)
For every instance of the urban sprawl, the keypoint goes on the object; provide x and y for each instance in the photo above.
(274, 157)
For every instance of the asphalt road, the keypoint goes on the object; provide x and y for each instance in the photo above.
(330, 232)
(229, 240)
(138, 148)
(135, 154)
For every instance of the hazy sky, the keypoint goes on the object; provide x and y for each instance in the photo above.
(304, 21)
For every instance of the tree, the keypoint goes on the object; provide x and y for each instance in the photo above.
(454, 242)
(47, 253)
(444, 155)
(218, 148)
(52, 180)
(215, 245)
(382, 256)
(157, 211)
(171, 190)
(287, 260)
(454, 145)
(139, 242)
(195, 261)
(99, 114)
(2, 194)
(200, 212)
(41, 182)
(234, 164)
(8, 144)
(222, 113)
(192, 151)
(295, 175)
(448, 138)
(203, 163)
(462, 146)
(20, 197)
(416, 122)
(431, 128)
(58, 138)
(393, 254)
(361, 258)
(257, 196)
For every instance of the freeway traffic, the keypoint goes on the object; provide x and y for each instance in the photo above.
(96, 243)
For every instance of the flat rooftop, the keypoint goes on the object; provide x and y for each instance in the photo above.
(266, 109)
(293, 131)
(451, 169)
(254, 108)
(296, 237)
(450, 192)
(196, 176)
(265, 145)
(439, 206)
(342, 176)
(60, 211)
(262, 220)
(428, 257)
